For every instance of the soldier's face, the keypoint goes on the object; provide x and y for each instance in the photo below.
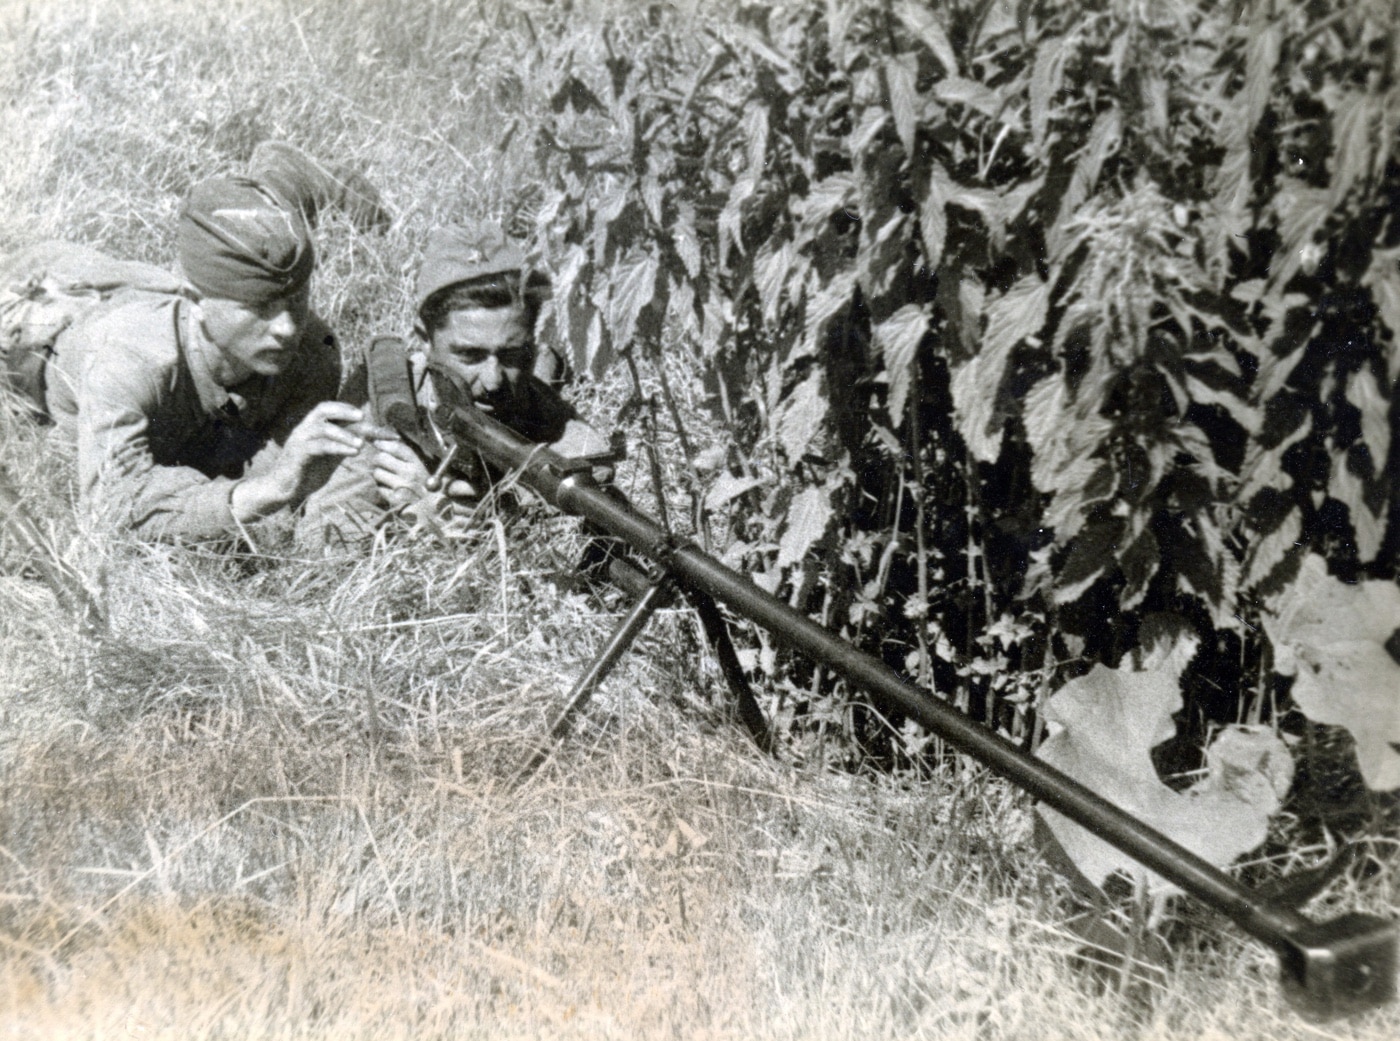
(256, 339)
(487, 348)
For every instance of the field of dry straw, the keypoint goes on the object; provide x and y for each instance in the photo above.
(274, 801)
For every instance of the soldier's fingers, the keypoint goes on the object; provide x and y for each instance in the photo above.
(328, 430)
(327, 446)
(373, 431)
(397, 450)
(336, 412)
(392, 482)
(409, 469)
(325, 440)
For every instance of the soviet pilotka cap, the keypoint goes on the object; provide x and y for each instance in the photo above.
(473, 250)
(238, 239)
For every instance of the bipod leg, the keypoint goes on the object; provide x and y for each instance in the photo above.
(717, 632)
(655, 596)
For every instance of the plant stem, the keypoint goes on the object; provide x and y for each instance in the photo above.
(916, 440)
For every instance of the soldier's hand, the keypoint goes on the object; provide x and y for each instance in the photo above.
(403, 478)
(326, 432)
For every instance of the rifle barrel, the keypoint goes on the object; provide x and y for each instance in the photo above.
(1332, 967)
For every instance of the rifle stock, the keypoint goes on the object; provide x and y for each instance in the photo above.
(1330, 968)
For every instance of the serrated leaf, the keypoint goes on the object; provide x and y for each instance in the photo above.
(977, 96)
(732, 214)
(1261, 59)
(741, 37)
(1104, 138)
(1332, 637)
(1354, 141)
(872, 121)
(974, 388)
(1045, 84)
(727, 488)
(772, 267)
(756, 134)
(1350, 490)
(1383, 279)
(933, 221)
(634, 289)
(1224, 568)
(623, 220)
(900, 73)
(1302, 213)
(1094, 551)
(685, 240)
(980, 200)
(652, 195)
(1269, 552)
(924, 24)
(1065, 437)
(808, 518)
(1238, 410)
(599, 353)
(1363, 393)
(1138, 565)
(1198, 569)
(1232, 183)
(1105, 726)
(1017, 314)
(800, 418)
(837, 192)
(682, 307)
(719, 316)
(831, 300)
(1264, 467)
(971, 300)
(897, 339)
(881, 260)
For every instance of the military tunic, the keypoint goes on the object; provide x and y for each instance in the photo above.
(160, 443)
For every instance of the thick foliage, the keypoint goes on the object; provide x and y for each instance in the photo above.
(1041, 331)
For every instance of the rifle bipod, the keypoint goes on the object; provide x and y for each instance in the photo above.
(1328, 968)
(652, 593)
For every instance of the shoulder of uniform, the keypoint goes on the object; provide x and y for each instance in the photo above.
(135, 323)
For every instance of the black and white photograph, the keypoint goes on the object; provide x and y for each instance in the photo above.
(718, 520)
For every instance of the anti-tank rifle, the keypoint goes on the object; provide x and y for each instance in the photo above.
(1328, 968)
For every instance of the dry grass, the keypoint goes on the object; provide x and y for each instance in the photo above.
(274, 801)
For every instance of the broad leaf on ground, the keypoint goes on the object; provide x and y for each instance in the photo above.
(1336, 641)
(1105, 725)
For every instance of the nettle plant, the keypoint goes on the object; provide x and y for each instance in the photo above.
(1054, 343)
